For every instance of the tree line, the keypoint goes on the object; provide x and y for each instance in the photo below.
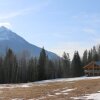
(21, 69)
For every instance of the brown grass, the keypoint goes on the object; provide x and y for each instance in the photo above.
(47, 91)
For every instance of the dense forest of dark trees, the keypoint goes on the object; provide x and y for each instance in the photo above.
(15, 69)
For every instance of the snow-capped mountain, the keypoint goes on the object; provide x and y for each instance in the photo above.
(9, 39)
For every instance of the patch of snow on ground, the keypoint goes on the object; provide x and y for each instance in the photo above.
(25, 85)
(50, 95)
(79, 98)
(66, 80)
(58, 93)
(11, 86)
(18, 99)
(45, 82)
(94, 96)
(41, 98)
(64, 92)
(7, 87)
(68, 90)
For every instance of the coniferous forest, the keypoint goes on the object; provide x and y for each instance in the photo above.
(14, 69)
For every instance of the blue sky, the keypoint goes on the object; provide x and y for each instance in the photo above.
(58, 25)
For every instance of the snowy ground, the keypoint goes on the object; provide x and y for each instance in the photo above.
(94, 96)
(83, 88)
(67, 79)
(41, 83)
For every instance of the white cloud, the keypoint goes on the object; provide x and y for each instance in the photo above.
(24, 11)
(6, 24)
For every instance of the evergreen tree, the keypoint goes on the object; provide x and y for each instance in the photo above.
(35, 69)
(10, 66)
(31, 70)
(42, 65)
(60, 70)
(98, 52)
(95, 54)
(90, 56)
(50, 70)
(23, 67)
(66, 64)
(14, 76)
(1, 71)
(76, 67)
(85, 58)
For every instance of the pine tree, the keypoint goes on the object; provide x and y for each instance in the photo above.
(60, 70)
(76, 67)
(66, 64)
(31, 70)
(85, 58)
(50, 70)
(10, 67)
(98, 52)
(95, 54)
(1, 71)
(90, 56)
(42, 65)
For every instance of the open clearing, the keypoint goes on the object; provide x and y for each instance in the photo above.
(84, 88)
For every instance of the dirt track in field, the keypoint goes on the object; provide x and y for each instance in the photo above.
(50, 91)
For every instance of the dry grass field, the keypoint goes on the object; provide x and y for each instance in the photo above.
(60, 90)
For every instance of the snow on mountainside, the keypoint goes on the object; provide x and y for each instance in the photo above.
(9, 39)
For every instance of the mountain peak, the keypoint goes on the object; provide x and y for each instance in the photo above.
(9, 39)
(3, 28)
(6, 34)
